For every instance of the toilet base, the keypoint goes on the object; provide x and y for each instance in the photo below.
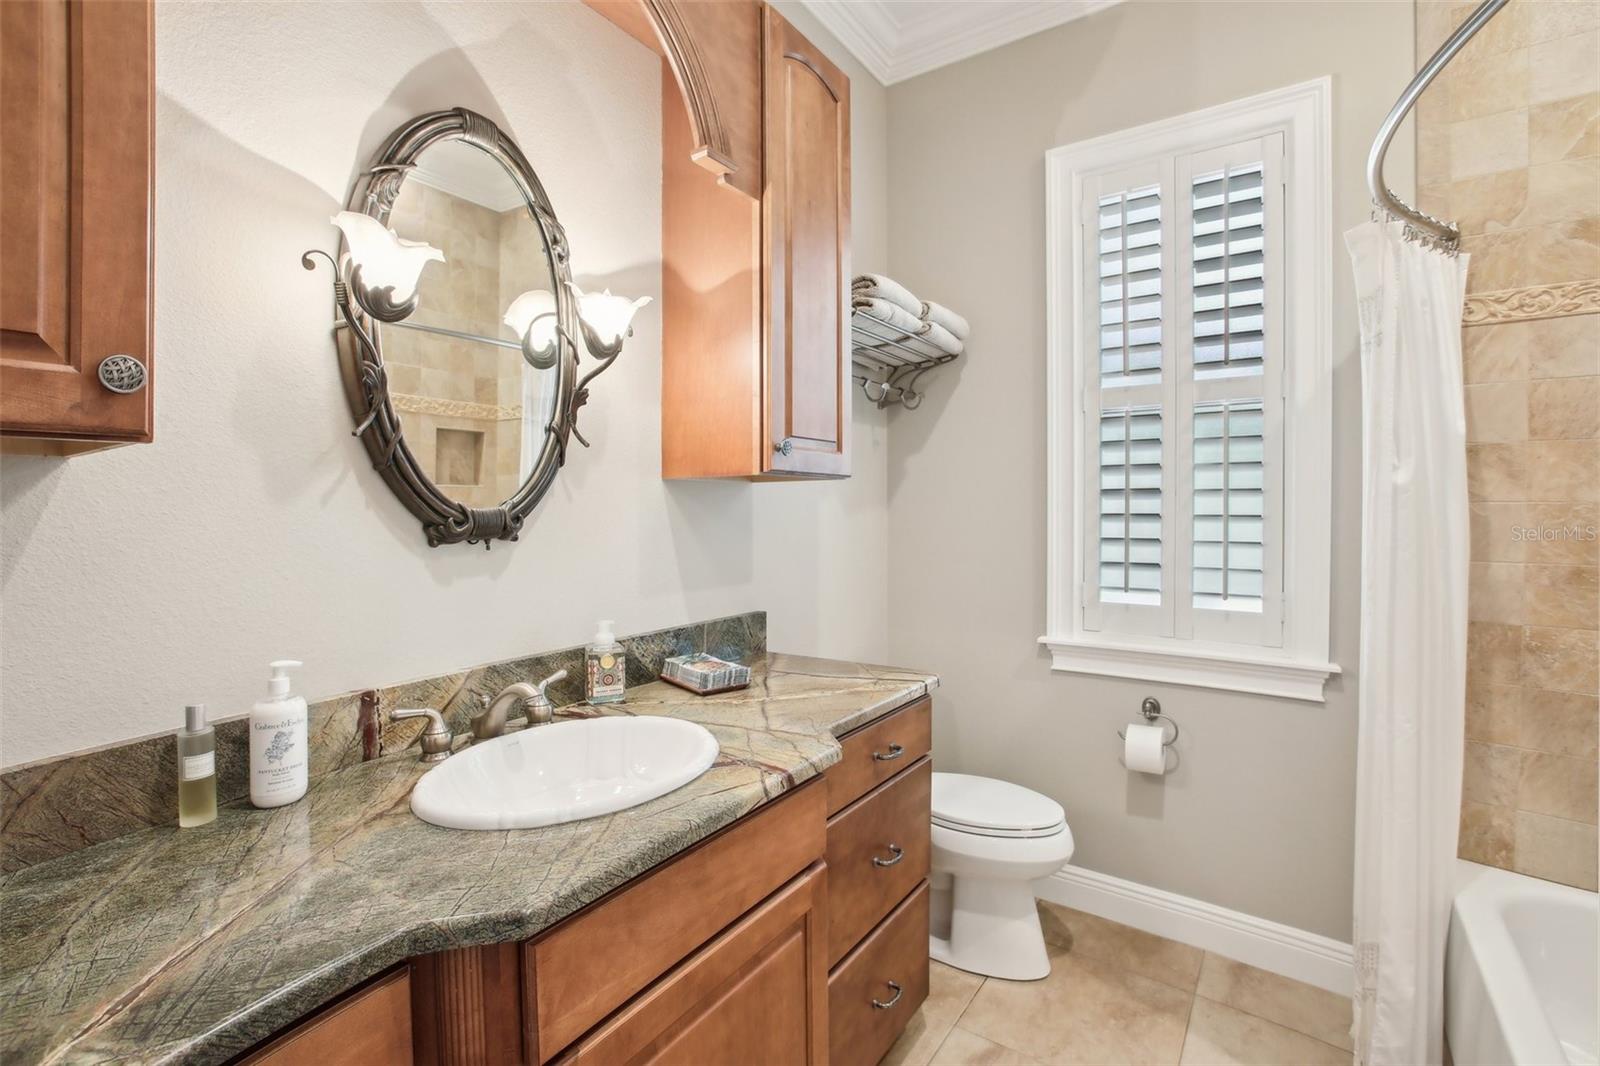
(994, 930)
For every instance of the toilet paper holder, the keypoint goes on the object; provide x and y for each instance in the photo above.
(1150, 708)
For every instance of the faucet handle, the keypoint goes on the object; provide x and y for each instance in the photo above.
(559, 675)
(436, 739)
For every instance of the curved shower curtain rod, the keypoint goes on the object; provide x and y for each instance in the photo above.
(1422, 223)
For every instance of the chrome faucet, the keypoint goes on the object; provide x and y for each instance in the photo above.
(490, 722)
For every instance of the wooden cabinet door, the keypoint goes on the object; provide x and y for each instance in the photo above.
(756, 994)
(806, 216)
(369, 1027)
(76, 152)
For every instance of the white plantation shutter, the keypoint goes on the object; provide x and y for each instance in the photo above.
(1130, 286)
(1129, 557)
(1182, 409)
(1231, 395)
(1229, 244)
(1130, 505)
(1229, 502)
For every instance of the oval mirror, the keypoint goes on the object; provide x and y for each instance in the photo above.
(458, 352)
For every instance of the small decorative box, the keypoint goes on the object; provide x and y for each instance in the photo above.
(704, 674)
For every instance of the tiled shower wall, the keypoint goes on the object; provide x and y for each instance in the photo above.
(1508, 146)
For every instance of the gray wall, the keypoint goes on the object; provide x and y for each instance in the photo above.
(1261, 816)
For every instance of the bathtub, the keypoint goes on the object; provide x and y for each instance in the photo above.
(1520, 985)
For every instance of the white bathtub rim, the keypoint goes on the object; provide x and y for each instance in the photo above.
(1475, 916)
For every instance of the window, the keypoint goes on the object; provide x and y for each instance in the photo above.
(1190, 380)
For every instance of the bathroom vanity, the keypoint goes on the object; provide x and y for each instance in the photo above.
(775, 909)
(797, 934)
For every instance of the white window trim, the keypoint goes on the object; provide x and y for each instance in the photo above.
(1299, 668)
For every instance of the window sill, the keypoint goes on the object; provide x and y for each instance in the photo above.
(1204, 666)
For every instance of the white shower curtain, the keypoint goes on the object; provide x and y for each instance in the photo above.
(1413, 638)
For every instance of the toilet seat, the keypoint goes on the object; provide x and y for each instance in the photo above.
(982, 806)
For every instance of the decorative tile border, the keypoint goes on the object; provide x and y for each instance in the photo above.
(433, 405)
(61, 805)
(1536, 301)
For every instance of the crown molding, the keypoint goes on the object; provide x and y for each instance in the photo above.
(942, 33)
(480, 182)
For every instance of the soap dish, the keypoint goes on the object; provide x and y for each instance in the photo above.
(704, 675)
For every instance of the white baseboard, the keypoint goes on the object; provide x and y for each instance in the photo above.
(1282, 949)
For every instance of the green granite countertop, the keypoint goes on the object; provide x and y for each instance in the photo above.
(193, 945)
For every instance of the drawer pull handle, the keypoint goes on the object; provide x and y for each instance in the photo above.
(896, 855)
(898, 992)
(894, 752)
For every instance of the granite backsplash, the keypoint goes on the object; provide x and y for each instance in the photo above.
(60, 805)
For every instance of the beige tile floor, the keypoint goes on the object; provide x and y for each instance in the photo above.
(1119, 995)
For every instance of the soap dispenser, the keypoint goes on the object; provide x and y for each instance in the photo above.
(278, 742)
(604, 668)
(197, 769)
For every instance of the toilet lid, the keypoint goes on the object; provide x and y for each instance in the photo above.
(987, 807)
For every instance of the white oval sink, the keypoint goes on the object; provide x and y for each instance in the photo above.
(558, 773)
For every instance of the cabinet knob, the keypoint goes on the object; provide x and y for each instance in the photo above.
(896, 854)
(122, 373)
(784, 446)
(894, 986)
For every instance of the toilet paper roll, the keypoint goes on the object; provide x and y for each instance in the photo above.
(1142, 750)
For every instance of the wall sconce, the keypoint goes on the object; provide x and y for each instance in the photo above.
(532, 317)
(606, 321)
(384, 268)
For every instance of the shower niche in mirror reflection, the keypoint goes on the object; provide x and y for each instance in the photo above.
(470, 404)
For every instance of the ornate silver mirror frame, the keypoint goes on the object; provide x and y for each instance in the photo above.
(361, 309)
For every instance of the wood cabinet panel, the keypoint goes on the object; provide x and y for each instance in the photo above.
(371, 1025)
(878, 750)
(712, 51)
(897, 951)
(807, 238)
(755, 994)
(592, 963)
(711, 375)
(878, 850)
(76, 154)
(467, 1006)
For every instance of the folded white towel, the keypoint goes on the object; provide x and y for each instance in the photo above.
(889, 289)
(896, 316)
(941, 338)
(941, 315)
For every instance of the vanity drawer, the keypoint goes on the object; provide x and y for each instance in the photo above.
(879, 750)
(877, 852)
(860, 1031)
(594, 962)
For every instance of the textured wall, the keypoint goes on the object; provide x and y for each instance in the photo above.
(1508, 146)
(146, 577)
(1261, 816)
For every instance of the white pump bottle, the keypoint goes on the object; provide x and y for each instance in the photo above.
(278, 751)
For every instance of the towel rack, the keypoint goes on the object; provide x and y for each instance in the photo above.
(1418, 222)
(891, 361)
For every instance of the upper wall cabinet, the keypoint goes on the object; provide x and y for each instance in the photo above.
(755, 242)
(76, 152)
(806, 237)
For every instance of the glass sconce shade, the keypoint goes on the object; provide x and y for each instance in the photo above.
(606, 320)
(532, 317)
(385, 260)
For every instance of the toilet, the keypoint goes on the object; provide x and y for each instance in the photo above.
(991, 841)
